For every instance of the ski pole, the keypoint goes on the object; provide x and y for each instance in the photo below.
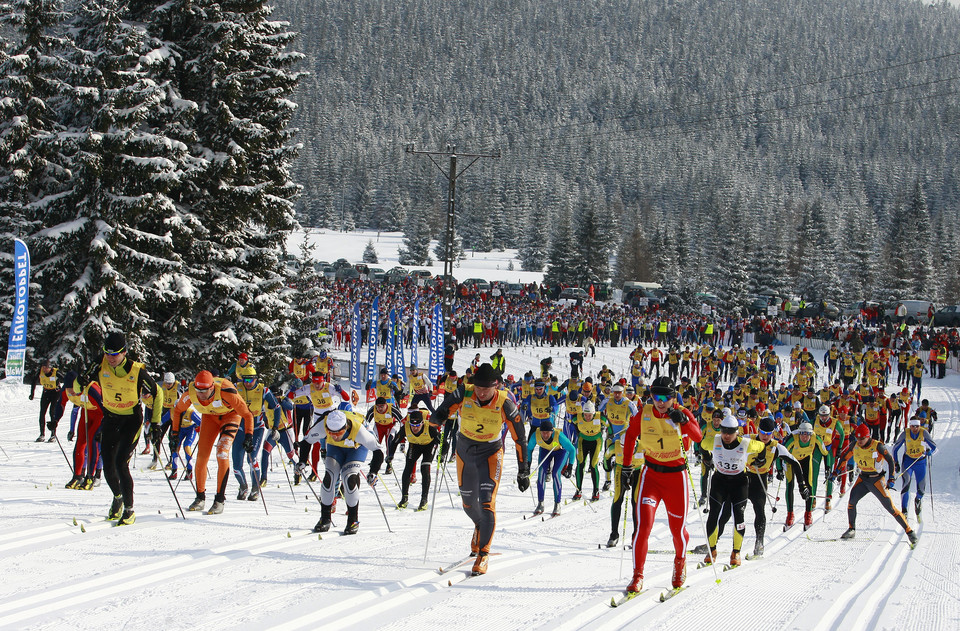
(310, 486)
(631, 505)
(377, 495)
(175, 498)
(930, 484)
(4, 453)
(446, 483)
(683, 453)
(392, 498)
(433, 502)
(899, 475)
(287, 473)
(70, 466)
(257, 482)
(774, 507)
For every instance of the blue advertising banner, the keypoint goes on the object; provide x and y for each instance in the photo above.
(355, 342)
(415, 333)
(372, 340)
(17, 342)
(390, 361)
(436, 344)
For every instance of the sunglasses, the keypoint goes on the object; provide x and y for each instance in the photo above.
(113, 353)
(728, 430)
(661, 398)
(763, 433)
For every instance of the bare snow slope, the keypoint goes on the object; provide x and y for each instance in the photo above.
(247, 570)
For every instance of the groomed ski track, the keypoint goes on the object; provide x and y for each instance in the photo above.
(241, 569)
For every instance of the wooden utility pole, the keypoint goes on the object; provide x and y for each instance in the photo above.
(452, 175)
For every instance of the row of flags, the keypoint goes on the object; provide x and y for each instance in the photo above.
(394, 357)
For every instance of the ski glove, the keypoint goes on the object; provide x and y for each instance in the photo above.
(626, 478)
(174, 439)
(51, 426)
(372, 479)
(302, 468)
(274, 436)
(891, 483)
(678, 417)
(30, 397)
(567, 471)
(70, 435)
(780, 475)
(248, 444)
(805, 492)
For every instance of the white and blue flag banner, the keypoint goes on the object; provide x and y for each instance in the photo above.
(17, 342)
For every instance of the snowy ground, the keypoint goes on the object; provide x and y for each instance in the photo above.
(244, 569)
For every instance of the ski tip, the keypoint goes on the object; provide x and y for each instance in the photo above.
(288, 535)
(319, 537)
(613, 602)
(449, 583)
(543, 519)
(718, 581)
(82, 529)
(305, 509)
(74, 521)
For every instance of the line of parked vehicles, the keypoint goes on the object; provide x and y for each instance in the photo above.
(644, 294)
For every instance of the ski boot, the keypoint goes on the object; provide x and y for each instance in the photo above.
(758, 548)
(96, 480)
(556, 509)
(74, 482)
(173, 475)
(116, 507)
(242, 493)
(189, 474)
(916, 507)
(636, 585)
(87, 484)
(353, 524)
(850, 533)
(325, 522)
(423, 504)
(606, 486)
(735, 558)
(52, 438)
(198, 502)
(404, 502)
(913, 537)
(475, 542)
(146, 450)
(40, 438)
(828, 505)
(389, 469)
(216, 508)
(254, 494)
(711, 556)
(128, 517)
(613, 540)
(807, 520)
(155, 463)
(679, 572)
(313, 477)
(296, 479)
(577, 496)
(789, 521)
(595, 496)
(539, 509)
(263, 482)
(480, 565)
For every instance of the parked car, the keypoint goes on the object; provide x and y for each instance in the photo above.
(339, 263)
(378, 274)
(947, 316)
(514, 289)
(347, 273)
(573, 295)
(329, 273)
(818, 308)
(417, 274)
(478, 283)
(917, 311)
(396, 275)
(364, 270)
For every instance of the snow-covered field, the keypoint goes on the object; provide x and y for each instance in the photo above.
(247, 570)
(350, 245)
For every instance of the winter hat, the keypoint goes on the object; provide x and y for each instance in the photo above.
(767, 425)
(169, 377)
(115, 343)
(546, 426)
(336, 421)
(729, 422)
(203, 380)
(588, 407)
(486, 376)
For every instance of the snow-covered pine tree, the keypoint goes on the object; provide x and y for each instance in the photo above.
(922, 249)
(818, 277)
(306, 301)
(536, 240)
(239, 71)
(562, 262)
(591, 247)
(110, 261)
(416, 239)
(35, 164)
(370, 253)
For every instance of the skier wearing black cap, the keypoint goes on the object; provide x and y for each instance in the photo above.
(122, 380)
(479, 453)
(558, 451)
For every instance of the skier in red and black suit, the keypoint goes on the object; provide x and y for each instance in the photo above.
(658, 426)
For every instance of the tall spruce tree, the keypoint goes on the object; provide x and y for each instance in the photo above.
(240, 203)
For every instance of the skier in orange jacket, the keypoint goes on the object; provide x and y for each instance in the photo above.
(221, 408)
